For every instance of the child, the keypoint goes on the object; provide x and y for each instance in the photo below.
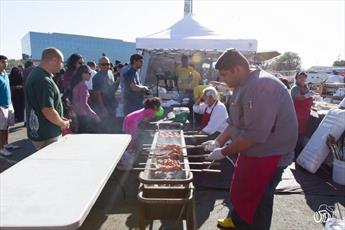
(132, 120)
(152, 108)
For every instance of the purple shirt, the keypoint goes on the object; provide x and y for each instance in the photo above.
(80, 99)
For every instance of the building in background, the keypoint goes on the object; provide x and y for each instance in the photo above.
(91, 48)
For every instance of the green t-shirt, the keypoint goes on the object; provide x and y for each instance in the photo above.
(41, 91)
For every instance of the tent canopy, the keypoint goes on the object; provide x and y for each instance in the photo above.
(189, 34)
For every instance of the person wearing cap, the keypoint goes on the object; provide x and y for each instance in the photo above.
(262, 127)
(214, 113)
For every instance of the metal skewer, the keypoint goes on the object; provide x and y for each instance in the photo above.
(190, 170)
(182, 163)
(170, 148)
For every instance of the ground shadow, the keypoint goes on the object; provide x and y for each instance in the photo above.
(319, 189)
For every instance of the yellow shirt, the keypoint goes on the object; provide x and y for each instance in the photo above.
(188, 78)
(197, 92)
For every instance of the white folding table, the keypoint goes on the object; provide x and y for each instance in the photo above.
(56, 187)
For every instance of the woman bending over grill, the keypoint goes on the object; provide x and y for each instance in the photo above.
(152, 108)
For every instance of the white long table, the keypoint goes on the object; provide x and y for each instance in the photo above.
(56, 187)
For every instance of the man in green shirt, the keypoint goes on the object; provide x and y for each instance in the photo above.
(44, 111)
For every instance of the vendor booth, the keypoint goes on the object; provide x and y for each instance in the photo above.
(162, 51)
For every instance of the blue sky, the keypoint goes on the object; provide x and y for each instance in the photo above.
(313, 29)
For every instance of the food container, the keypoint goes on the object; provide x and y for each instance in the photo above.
(181, 114)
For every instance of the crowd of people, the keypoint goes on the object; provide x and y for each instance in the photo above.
(261, 125)
(57, 101)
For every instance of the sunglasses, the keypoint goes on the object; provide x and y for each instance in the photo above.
(105, 64)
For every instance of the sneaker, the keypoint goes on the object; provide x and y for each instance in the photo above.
(11, 146)
(226, 223)
(5, 152)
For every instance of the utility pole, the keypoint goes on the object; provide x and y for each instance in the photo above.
(188, 7)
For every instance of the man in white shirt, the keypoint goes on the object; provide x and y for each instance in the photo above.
(214, 113)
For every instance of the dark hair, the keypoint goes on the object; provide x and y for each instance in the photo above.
(231, 58)
(77, 77)
(151, 103)
(135, 57)
(117, 62)
(300, 73)
(15, 73)
(91, 63)
(28, 64)
(2, 57)
(285, 82)
(72, 61)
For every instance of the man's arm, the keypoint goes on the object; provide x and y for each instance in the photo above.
(138, 88)
(53, 116)
(239, 145)
(224, 136)
(99, 101)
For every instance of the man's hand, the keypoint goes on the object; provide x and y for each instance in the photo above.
(65, 123)
(210, 145)
(216, 155)
(146, 90)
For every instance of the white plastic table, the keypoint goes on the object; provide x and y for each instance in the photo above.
(56, 187)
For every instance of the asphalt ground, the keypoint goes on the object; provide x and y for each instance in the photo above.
(118, 208)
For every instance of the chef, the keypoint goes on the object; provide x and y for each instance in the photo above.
(263, 130)
(213, 111)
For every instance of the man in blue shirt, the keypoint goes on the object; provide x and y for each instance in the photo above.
(104, 88)
(133, 90)
(6, 109)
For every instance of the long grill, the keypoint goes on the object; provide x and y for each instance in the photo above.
(166, 193)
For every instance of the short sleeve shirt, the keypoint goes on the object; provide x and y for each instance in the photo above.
(130, 96)
(188, 78)
(41, 92)
(262, 111)
(298, 90)
(5, 90)
(104, 82)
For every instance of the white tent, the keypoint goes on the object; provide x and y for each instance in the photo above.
(162, 50)
(189, 34)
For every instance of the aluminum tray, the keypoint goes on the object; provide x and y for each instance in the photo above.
(176, 177)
